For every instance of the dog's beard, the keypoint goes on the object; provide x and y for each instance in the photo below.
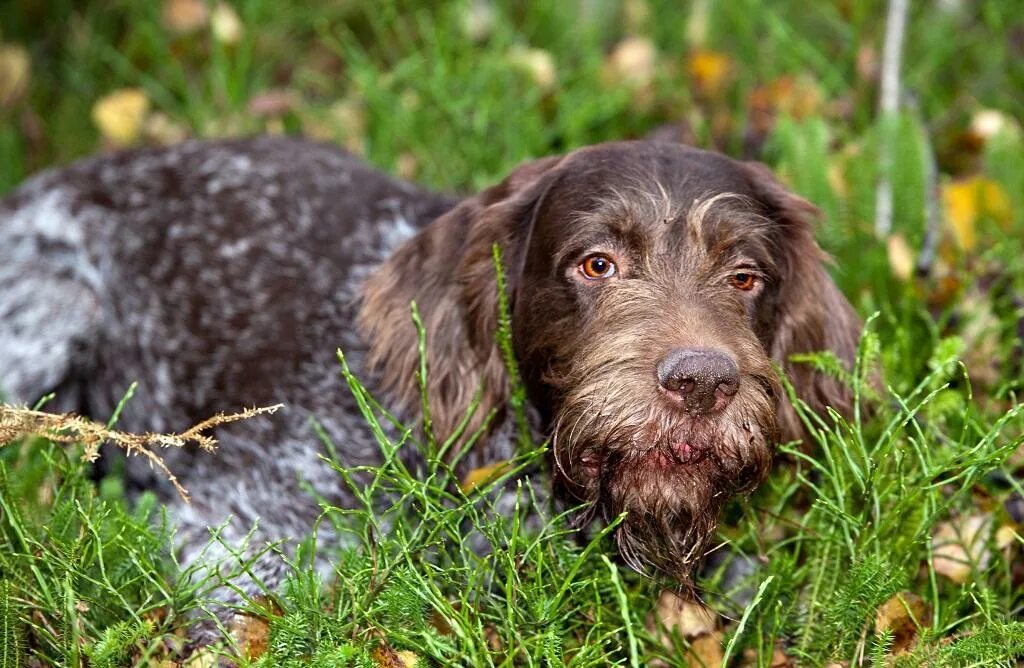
(670, 472)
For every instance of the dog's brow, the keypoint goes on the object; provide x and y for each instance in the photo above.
(699, 213)
(640, 200)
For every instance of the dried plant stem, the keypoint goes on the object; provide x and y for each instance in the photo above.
(16, 423)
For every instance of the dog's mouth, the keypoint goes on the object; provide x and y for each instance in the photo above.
(666, 454)
(664, 457)
(671, 473)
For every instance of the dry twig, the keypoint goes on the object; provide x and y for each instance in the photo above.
(16, 423)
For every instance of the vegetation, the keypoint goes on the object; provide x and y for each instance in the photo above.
(897, 541)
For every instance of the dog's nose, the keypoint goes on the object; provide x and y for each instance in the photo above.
(704, 380)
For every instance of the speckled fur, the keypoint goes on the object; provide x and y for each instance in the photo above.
(226, 274)
(218, 276)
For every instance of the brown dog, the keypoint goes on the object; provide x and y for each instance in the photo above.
(652, 285)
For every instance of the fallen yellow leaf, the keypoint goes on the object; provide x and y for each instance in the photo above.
(988, 123)
(160, 128)
(901, 257)
(697, 624)
(484, 474)
(385, 657)
(15, 68)
(960, 544)
(683, 615)
(409, 659)
(1007, 536)
(407, 165)
(967, 201)
(706, 651)
(120, 115)
(709, 70)
(903, 615)
(251, 634)
(225, 24)
(632, 63)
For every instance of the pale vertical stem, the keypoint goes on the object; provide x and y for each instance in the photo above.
(888, 106)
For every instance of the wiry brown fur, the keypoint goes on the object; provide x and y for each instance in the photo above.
(677, 221)
(448, 270)
(225, 274)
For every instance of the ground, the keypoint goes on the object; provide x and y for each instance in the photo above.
(897, 539)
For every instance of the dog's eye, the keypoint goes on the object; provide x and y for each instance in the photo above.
(743, 281)
(597, 266)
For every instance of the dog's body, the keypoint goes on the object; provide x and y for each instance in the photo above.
(651, 284)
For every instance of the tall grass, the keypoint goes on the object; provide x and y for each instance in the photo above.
(495, 574)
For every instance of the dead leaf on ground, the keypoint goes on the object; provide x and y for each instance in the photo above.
(225, 24)
(276, 102)
(709, 71)
(794, 96)
(1007, 536)
(537, 63)
(385, 656)
(779, 659)
(867, 63)
(959, 544)
(160, 128)
(685, 616)
(15, 70)
(349, 118)
(632, 63)
(407, 166)
(477, 21)
(987, 123)
(119, 115)
(903, 615)
(706, 651)
(901, 257)
(691, 620)
(484, 474)
(969, 200)
(184, 16)
(251, 634)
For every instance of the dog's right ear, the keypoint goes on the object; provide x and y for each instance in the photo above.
(448, 270)
(813, 314)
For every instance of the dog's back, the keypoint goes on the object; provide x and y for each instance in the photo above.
(218, 276)
(219, 265)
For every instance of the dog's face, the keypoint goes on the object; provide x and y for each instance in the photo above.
(652, 285)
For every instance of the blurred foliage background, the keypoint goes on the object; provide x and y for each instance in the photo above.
(455, 93)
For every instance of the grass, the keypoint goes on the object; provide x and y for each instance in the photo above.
(86, 578)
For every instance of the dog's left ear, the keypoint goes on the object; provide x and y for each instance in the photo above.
(812, 314)
(448, 270)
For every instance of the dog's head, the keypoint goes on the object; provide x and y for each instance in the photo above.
(652, 285)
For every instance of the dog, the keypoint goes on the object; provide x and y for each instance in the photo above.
(653, 287)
